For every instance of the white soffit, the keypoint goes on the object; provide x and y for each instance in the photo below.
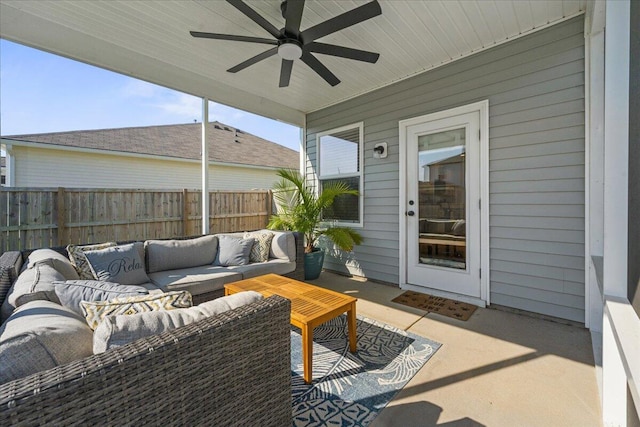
(150, 40)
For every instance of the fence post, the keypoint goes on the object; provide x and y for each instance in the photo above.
(62, 229)
(185, 212)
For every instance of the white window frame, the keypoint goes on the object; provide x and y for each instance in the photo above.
(360, 173)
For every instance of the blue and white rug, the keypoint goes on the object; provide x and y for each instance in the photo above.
(350, 389)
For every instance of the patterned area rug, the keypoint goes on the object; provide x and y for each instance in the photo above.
(350, 389)
(444, 306)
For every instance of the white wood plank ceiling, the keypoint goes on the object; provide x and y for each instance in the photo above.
(150, 40)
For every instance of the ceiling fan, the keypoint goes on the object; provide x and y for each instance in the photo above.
(291, 43)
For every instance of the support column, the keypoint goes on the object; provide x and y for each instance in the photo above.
(616, 183)
(594, 171)
(205, 167)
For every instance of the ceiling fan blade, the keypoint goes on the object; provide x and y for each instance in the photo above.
(319, 68)
(255, 17)
(343, 52)
(232, 37)
(293, 16)
(251, 61)
(285, 72)
(347, 19)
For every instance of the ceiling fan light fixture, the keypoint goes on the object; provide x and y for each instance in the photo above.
(289, 51)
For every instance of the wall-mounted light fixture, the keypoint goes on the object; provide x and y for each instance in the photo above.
(380, 150)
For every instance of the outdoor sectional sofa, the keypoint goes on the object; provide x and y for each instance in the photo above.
(229, 368)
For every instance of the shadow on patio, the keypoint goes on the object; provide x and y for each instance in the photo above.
(497, 368)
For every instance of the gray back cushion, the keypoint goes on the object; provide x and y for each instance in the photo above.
(56, 260)
(38, 278)
(41, 335)
(119, 264)
(283, 246)
(71, 292)
(165, 255)
(233, 250)
(115, 331)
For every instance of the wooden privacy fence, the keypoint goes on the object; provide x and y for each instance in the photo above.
(43, 217)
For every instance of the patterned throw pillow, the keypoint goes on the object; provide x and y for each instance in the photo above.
(118, 264)
(95, 311)
(79, 260)
(260, 250)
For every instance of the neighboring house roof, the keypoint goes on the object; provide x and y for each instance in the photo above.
(449, 160)
(226, 144)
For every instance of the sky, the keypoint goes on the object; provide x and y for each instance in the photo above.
(41, 92)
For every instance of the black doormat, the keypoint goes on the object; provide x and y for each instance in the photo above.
(444, 306)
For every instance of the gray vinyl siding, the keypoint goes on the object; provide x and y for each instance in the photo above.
(633, 292)
(535, 88)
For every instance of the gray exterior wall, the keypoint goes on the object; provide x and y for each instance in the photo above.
(634, 160)
(535, 88)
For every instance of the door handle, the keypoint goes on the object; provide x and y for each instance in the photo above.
(411, 213)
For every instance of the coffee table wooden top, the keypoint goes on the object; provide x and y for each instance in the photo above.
(310, 305)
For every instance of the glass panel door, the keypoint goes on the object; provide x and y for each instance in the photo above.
(442, 213)
(441, 199)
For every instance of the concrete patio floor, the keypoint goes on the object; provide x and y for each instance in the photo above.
(496, 369)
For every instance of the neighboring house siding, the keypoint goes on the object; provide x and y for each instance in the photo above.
(36, 167)
(535, 88)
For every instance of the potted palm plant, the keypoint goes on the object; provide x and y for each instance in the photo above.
(300, 208)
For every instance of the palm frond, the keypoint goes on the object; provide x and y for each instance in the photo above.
(300, 209)
(343, 237)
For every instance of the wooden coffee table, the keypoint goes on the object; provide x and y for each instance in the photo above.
(310, 306)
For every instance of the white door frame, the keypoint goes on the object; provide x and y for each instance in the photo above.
(482, 108)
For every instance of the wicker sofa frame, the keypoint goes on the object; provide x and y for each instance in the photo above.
(233, 369)
(12, 261)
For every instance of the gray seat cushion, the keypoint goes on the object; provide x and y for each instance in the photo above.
(71, 292)
(176, 254)
(115, 331)
(276, 266)
(197, 280)
(41, 335)
(152, 288)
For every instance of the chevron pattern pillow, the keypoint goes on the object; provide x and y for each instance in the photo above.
(260, 249)
(95, 311)
(79, 260)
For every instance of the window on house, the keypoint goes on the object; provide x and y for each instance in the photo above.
(339, 160)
